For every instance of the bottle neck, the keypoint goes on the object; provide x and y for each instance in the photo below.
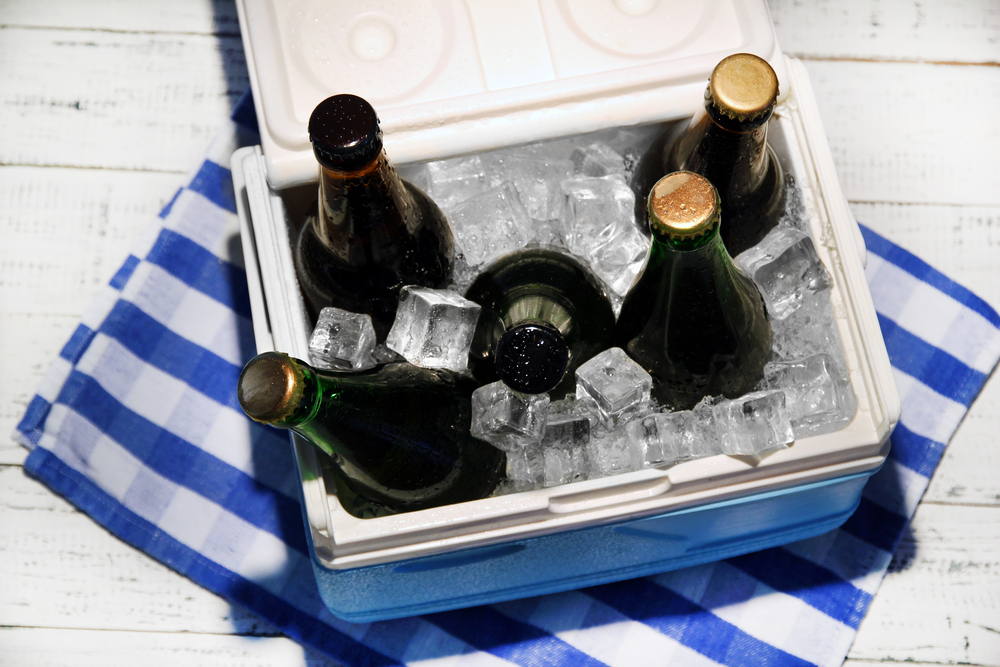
(706, 252)
(308, 406)
(537, 307)
(732, 154)
(360, 205)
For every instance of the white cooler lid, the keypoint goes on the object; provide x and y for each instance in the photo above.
(454, 76)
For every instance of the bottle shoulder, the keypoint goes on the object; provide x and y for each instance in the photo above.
(543, 272)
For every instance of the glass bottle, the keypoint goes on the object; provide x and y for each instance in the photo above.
(398, 434)
(692, 319)
(374, 232)
(726, 142)
(543, 314)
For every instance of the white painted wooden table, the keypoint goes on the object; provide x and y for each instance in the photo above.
(105, 105)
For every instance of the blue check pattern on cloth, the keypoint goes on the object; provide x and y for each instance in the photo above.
(138, 425)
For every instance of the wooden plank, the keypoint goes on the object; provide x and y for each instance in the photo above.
(941, 599)
(909, 133)
(180, 16)
(70, 230)
(61, 571)
(968, 474)
(943, 31)
(851, 662)
(68, 569)
(963, 242)
(66, 232)
(45, 647)
(32, 342)
(115, 100)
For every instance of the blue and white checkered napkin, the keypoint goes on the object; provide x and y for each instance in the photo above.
(137, 424)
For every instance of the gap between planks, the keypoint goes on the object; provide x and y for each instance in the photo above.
(894, 61)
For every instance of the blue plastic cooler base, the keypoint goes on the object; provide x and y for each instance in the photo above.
(589, 556)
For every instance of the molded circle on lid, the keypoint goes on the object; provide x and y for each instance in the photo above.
(269, 387)
(635, 7)
(743, 86)
(372, 38)
(532, 357)
(387, 51)
(635, 28)
(683, 205)
(344, 132)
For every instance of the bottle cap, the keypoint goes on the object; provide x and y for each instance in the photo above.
(683, 205)
(743, 86)
(531, 357)
(345, 133)
(270, 387)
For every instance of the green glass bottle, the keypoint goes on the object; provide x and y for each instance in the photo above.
(726, 142)
(695, 323)
(374, 232)
(398, 434)
(543, 314)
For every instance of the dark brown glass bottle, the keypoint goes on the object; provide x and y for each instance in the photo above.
(397, 434)
(726, 142)
(695, 323)
(543, 314)
(374, 232)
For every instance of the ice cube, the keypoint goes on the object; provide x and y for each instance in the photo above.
(526, 467)
(433, 328)
(597, 159)
(754, 424)
(619, 261)
(384, 355)
(342, 340)
(507, 419)
(656, 434)
(810, 330)
(817, 397)
(563, 465)
(563, 431)
(616, 387)
(564, 443)
(462, 274)
(490, 225)
(797, 210)
(703, 437)
(535, 179)
(787, 269)
(418, 174)
(675, 436)
(612, 452)
(456, 180)
(599, 225)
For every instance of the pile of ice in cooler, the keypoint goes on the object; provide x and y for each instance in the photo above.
(574, 194)
(570, 193)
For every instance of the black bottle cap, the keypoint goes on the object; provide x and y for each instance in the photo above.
(345, 133)
(531, 357)
(270, 387)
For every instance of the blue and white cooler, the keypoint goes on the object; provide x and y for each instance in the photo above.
(453, 77)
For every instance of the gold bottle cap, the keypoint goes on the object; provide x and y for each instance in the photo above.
(683, 205)
(743, 86)
(270, 387)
